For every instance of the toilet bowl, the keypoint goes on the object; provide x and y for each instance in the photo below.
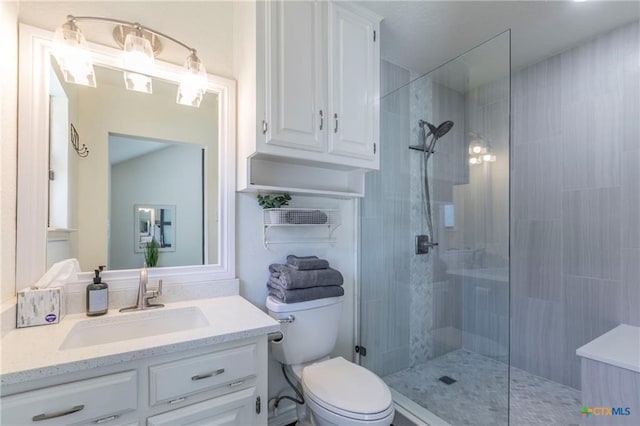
(340, 392)
(336, 391)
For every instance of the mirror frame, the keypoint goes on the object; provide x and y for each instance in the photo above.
(33, 159)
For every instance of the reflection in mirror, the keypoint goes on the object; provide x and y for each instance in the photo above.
(154, 223)
(143, 149)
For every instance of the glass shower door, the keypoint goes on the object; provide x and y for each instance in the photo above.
(434, 248)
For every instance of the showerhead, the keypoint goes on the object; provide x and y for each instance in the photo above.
(439, 131)
(443, 129)
(435, 132)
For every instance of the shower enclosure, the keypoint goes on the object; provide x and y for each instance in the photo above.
(434, 281)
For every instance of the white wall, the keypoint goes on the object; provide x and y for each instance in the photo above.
(167, 176)
(252, 261)
(8, 144)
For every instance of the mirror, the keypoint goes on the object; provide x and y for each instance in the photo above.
(140, 148)
(85, 217)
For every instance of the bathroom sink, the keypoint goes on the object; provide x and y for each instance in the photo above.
(133, 325)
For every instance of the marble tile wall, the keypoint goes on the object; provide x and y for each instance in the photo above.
(385, 295)
(575, 190)
(436, 302)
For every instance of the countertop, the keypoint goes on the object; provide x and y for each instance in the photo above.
(33, 353)
(619, 347)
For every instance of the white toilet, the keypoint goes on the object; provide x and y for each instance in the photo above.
(336, 391)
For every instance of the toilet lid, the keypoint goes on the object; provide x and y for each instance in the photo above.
(346, 386)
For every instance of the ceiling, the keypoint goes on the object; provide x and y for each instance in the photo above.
(422, 35)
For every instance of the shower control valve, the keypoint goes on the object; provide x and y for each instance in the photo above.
(423, 244)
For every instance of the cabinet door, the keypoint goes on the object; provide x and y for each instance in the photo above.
(238, 408)
(296, 115)
(353, 83)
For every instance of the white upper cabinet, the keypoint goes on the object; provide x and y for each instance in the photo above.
(312, 69)
(353, 84)
(295, 84)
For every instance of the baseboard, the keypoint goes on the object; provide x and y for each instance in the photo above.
(285, 417)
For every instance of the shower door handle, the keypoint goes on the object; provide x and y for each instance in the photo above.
(335, 117)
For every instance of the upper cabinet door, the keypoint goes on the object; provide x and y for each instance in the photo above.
(295, 83)
(353, 83)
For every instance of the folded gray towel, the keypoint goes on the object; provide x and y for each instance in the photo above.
(305, 263)
(302, 217)
(292, 279)
(305, 294)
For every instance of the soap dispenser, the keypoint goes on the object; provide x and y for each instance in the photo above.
(97, 296)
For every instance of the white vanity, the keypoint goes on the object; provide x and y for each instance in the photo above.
(202, 361)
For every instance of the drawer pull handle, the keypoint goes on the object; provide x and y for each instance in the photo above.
(41, 417)
(106, 419)
(234, 384)
(207, 375)
(176, 401)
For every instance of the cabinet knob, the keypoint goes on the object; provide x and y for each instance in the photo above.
(335, 117)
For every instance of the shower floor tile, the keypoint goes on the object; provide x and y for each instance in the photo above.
(479, 395)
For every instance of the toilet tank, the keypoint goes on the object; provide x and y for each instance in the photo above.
(313, 332)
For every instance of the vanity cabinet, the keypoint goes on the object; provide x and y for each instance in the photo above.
(96, 400)
(308, 99)
(237, 408)
(224, 384)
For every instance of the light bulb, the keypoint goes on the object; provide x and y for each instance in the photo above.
(476, 148)
(138, 57)
(193, 82)
(490, 158)
(71, 51)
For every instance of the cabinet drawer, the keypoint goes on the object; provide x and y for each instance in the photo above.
(78, 402)
(236, 408)
(177, 379)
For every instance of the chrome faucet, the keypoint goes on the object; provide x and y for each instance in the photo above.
(144, 295)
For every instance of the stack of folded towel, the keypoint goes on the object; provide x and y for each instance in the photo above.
(304, 278)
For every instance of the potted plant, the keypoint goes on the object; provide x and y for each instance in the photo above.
(273, 203)
(151, 253)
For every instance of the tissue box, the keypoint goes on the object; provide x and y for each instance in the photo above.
(40, 306)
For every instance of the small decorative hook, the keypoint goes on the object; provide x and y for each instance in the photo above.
(75, 142)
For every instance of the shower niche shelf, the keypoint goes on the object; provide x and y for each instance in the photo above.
(279, 226)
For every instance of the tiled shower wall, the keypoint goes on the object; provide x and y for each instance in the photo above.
(435, 309)
(575, 188)
(385, 240)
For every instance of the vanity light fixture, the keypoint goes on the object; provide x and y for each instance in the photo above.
(140, 45)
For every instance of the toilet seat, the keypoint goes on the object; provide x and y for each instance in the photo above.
(347, 390)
